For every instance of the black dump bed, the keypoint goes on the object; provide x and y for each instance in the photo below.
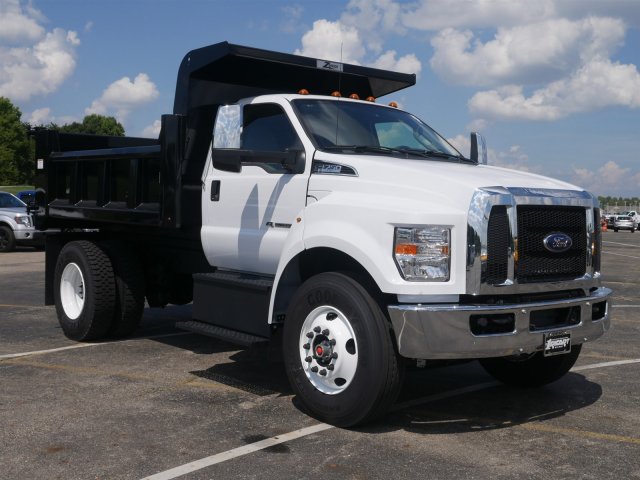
(88, 181)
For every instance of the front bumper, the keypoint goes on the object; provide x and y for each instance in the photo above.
(29, 236)
(443, 331)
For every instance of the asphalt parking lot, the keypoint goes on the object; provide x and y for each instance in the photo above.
(171, 404)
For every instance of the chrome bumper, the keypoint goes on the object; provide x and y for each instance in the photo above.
(442, 331)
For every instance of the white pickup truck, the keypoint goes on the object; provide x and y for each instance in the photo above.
(16, 225)
(345, 229)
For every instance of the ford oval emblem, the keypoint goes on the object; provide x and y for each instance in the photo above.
(557, 242)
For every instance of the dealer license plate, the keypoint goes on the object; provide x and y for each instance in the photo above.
(557, 343)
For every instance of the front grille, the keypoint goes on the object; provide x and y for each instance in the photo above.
(498, 243)
(537, 264)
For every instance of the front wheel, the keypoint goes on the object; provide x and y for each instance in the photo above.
(530, 370)
(338, 351)
(7, 239)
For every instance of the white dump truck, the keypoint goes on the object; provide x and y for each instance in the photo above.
(292, 205)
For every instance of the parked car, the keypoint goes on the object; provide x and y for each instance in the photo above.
(16, 224)
(624, 222)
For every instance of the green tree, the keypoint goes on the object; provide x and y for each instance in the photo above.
(16, 159)
(97, 125)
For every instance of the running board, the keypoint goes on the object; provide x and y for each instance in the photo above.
(221, 333)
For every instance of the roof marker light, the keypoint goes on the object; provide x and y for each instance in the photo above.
(303, 91)
(336, 93)
(371, 99)
(354, 96)
(393, 104)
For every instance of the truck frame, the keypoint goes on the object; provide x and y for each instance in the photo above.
(257, 204)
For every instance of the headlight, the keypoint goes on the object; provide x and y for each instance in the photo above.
(423, 253)
(23, 220)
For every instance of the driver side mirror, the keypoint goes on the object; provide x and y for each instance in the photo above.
(478, 149)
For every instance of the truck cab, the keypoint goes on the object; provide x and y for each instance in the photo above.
(341, 227)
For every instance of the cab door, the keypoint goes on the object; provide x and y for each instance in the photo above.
(247, 214)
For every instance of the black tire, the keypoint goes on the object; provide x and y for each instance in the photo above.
(533, 371)
(7, 239)
(129, 284)
(376, 371)
(92, 320)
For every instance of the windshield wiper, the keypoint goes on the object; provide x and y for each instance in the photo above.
(437, 154)
(369, 149)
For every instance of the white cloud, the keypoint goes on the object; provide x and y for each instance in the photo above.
(598, 84)
(437, 15)
(609, 177)
(39, 116)
(374, 19)
(338, 41)
(536, 52)
(332, 41)
(291, 18)
(124, 95)
(39, 67)
(153, 130)
(18, 25)
(44, 116)
(405, 64)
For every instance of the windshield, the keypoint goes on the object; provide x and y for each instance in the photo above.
(358, 126)
(9, 201)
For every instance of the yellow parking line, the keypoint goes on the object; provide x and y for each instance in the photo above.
(539, 427)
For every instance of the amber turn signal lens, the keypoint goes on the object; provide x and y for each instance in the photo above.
(371, 99)
(406, 249)
(336, 94)
(354, 96)
(393, 104)
(303, 91)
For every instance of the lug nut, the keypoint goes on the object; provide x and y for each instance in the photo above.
(334, 355)
(317, 329)
(314, 369)
(310, 335)
(332, 342)
(308, 359)
(306, 346)
(325, 332)
(330, 366)
(332, 316)
(323, 372)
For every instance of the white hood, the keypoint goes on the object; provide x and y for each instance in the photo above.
(450, 184)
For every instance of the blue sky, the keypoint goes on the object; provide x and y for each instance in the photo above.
(552, 84)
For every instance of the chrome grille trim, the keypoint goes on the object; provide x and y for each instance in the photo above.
(483, 200)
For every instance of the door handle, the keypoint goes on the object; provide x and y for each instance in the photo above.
(215, 190)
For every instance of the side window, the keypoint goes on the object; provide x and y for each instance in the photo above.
(267, 128)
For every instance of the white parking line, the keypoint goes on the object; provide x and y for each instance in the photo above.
(84, 345)
(269, 442)
(237, 452)
(623, 244)
(620, 255)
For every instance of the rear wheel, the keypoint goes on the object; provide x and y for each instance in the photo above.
(530, 370)
(7, 239)
(84, 291)
(339, 353)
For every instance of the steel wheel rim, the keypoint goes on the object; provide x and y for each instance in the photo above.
(328, 350)
(72, 291)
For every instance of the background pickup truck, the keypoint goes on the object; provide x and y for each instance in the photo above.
(16, 224)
